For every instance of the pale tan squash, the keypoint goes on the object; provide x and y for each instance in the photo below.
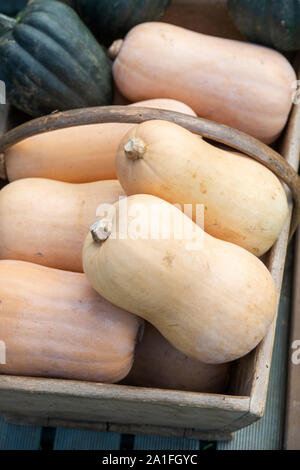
(212, 300)
(46, 222)
(243, 85)
(55, 325)
(157, 364)
(76, 154)
(243, 201)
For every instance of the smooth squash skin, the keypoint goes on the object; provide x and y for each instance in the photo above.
(46, 222)
(274, 23)
(244, 202)
(212, 300)
(245, 86)
(157, 364)
(111, 19)
(51, 61)
(77, 154)
(55, 325)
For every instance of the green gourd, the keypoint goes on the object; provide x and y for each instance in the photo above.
(50, 61)
(11, 7)
(112, 19)
(274, 23)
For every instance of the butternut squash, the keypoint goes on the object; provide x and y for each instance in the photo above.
(55, 325)
(212, 300)
(45, 222)
(243, 85)
(76, 154)
(244, 202)
(157, 364)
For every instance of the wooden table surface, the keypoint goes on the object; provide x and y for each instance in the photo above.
(267, 434)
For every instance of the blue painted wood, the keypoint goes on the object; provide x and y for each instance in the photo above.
(74, 439)
(165, 443)
(267, 433)
(16, 437)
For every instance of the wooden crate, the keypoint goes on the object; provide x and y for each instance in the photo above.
(120, 408)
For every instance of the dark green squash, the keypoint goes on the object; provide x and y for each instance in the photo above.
(112, 19)
(274, 23)
(51, 61)
(11, 7)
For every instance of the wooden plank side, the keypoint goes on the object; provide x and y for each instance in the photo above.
(292, 425)
(14, 437)
(90, 402)
(290, 150)
(256, 367)
(267, 433)
(75, 439)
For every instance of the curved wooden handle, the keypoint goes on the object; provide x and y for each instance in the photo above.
(136, 115)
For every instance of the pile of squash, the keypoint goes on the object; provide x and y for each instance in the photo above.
(81, 296)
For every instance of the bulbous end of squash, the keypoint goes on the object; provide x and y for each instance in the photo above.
(135, 148)
(100, 231)
(115, 49)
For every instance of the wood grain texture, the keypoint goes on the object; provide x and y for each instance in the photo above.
(290, 149)
(292, 425)
(94, 403)
(251, 373)
(267, 433)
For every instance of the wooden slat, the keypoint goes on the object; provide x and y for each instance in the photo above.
(103, 403)
(292, 425)
(14, 437)
(267, 433)
(74, 439)
(254, 373)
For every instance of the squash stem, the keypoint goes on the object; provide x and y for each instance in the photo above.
(6, 23)
(115, 49)
(135, 148)
(99, 231)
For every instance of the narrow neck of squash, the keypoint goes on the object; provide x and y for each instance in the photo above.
(6, 23)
